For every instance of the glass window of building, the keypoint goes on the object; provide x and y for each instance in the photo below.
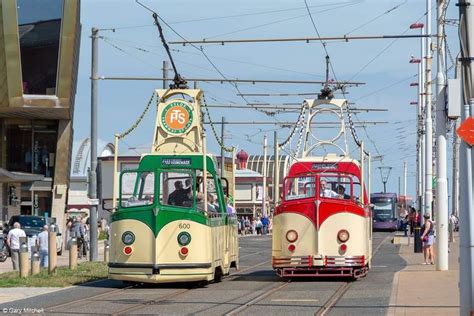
(39, 29)
(19, 145)
(31, 146)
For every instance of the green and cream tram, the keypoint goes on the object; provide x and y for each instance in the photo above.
(172, 223)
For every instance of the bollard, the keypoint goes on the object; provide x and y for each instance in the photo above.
(35, 260)
(23, 257)
(52, 255)
(418, 244)
(106, 251)
(73, 252)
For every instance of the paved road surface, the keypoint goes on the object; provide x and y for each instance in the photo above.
(254, 289)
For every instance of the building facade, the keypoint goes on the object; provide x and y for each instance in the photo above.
(39, 54)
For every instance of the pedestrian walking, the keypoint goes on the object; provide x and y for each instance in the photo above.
(13, 242)
(428, 239)
(42, 242)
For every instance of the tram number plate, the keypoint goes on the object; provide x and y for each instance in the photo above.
(184, 226)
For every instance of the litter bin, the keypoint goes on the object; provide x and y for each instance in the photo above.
(418, 243)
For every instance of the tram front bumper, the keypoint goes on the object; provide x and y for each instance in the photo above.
(305, 266)
(160, 273)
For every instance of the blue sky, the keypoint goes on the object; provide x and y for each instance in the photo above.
(134, 49)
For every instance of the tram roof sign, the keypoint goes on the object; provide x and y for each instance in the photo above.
(466, 131)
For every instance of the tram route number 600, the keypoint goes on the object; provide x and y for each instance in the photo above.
(184, 226)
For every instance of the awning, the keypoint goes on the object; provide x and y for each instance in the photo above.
(14, 176)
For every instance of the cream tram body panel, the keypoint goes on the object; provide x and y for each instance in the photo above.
(306, 244)
(206, 252)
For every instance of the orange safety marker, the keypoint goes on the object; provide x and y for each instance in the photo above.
(466, 131)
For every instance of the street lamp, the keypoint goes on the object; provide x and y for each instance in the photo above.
(419, 113)
(414, 103)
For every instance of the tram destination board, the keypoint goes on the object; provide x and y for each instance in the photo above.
(324, 165)
(184, 162)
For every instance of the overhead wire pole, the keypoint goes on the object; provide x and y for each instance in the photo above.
(165, 73)
(428, 119)
(466, 214)
(93, 168)
(441, 156)
(222, 148)
(276, 170)
(264, 193)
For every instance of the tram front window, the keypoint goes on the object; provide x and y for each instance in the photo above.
(137, 188)
(177, 189)
(299, 188)
(345, 187)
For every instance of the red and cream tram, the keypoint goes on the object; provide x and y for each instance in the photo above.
(323, 225)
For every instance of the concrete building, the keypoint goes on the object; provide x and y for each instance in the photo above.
(78, 200)
(39, 54)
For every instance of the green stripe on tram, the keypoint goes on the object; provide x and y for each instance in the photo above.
(165, 217)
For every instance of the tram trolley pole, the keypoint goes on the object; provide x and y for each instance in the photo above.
(23, 257)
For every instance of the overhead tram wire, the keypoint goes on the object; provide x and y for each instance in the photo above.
(300, 39)
(156, 17)
(278, 21)
(141, 49)
(199, 49)
(371, 61)
(377, 17)
(329, 62)
(261, 12)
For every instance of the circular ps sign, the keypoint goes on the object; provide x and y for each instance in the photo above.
(177, 117)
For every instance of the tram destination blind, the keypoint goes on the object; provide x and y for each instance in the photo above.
(324, 165)
(176, 162)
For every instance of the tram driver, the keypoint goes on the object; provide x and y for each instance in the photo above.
(179, 195)
(325, 191)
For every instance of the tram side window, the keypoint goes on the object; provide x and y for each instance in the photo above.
(137, 188)
(299, 188)
(176, 188)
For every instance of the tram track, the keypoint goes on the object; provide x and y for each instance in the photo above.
(344, 287)
(54, 309)
(142, 305)
(253, 301)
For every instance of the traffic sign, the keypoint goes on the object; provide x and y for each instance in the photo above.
(466, 131)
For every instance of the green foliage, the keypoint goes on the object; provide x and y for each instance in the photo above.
(102, 235)
(86, 272)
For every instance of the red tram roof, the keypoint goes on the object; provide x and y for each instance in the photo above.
(305, 167)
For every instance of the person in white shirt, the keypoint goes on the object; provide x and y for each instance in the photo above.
(13, 242)
(42, 242)
(326, 192)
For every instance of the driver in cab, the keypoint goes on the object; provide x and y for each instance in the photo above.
(179, 195)
(325, 191)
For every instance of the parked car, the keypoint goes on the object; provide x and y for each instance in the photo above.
(33, 225)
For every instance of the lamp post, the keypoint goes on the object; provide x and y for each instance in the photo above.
(420, 144)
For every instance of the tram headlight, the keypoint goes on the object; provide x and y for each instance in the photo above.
(291, 235)
(184, 238)
(128, 238)
(343, 235)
